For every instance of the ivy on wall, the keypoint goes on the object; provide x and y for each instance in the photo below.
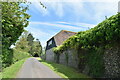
(104, 33)
(95, 62)
(94, 42)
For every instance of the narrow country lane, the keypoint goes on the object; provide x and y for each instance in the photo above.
(32, 68)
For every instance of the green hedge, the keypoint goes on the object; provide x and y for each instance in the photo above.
(11, 56)
(7, 57)
(90, 44)
(104, 33)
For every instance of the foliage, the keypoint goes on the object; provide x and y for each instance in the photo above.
(22, 43)
(103, 35)
(95, 62)
(10, 72)
(19, 55)
(14, 19)
(30, 39)
(6, 61)
(27, 45)
(64, 71)
(37, 48)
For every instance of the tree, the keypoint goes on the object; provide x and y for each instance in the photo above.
(23, 46)
(37, 48)
(26, 44)
(30, 39)
(22, 43)
(14, 19)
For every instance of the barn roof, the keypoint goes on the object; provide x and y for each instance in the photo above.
(62, 36)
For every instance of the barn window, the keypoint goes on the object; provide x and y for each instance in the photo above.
(50, 42)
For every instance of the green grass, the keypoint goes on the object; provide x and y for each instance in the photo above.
(10, 72)
(65, 71)
(19, 55)
(0, 75)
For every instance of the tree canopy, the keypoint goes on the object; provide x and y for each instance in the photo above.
(14, 19)
(26, 43)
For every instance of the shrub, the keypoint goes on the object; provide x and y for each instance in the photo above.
(19, 55)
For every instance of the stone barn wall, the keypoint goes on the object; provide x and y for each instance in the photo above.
(111, 60)
(50, 55)
(62, 59)
(69, 58)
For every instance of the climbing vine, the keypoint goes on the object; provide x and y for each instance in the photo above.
(93, 42)
(104, 33)
(95, 61)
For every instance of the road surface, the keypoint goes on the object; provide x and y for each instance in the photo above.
(32, 68)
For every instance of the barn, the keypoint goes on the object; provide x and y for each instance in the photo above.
(55, 41)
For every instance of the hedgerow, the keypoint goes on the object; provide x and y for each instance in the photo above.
(104, 33)
(14, 19)
(94, 42)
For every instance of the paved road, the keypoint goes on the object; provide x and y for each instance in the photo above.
(32, 68)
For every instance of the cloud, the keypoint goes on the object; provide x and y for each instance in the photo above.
(55, 25)
(73, 15)
(43, 33)
(55, 5)
(74, 0)
(38, 7)
(103, 9)
(83, 25)
(78, 8)
(38, 34)
(66, 25)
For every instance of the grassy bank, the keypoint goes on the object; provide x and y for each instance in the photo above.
(10, 72)
(19, 55)
(64, 71)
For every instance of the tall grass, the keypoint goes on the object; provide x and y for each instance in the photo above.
(65, 71)
(19, 55)
(10, 72)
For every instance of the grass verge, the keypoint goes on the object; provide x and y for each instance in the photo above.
(10, 72)
(65, 71)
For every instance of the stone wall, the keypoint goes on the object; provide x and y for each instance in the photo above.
(62, 59)
(50, 55)
(112, 62)
(72, 59)
(66, 58)
(69, 58)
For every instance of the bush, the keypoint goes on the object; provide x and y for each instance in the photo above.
(19, 55)
(95, 62)
(104, 33)
(7, 57)
(95, 40)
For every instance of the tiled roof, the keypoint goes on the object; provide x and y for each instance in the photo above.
(62, 36)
